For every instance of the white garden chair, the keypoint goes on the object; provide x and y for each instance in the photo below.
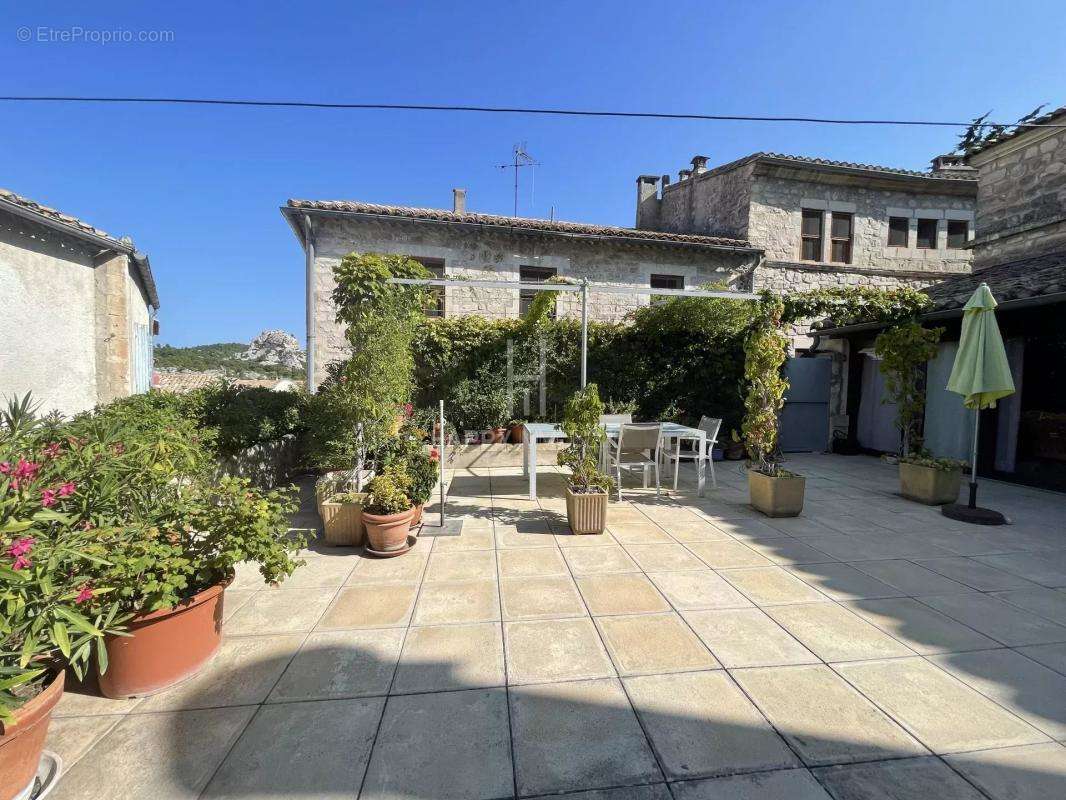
(671, 450)
(615, 419)
(637, 445)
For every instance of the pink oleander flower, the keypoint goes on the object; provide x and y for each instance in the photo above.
(21, 547)
(52, 450)
(25, 469)
(48, 497)
(5, 468)
(21, 562)
(434, 454)
(67, 489)
(87, 525)
(85, 595)
(408, 410)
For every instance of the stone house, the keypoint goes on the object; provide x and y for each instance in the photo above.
(78, 309)
(462, 245)
(823, 223)
(1019, 250)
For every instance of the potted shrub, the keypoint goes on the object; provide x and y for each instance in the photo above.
(388, 511)
(587, 489)
(515, 431)
(48, 560)
(342, 519)
(904, 349)
(423, 468)
(773, 490)
(930, 480)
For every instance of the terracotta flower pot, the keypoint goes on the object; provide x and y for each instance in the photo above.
(776, 497)
(934, 487)
(497, 435)
(167, 646)
(388, 531)
(21, 742)
(343, 524)
(586, 513)
(416, 517)
(516, 434)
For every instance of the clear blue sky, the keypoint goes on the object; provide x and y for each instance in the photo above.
(199, 189)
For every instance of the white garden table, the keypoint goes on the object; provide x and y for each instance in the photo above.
(535, 432)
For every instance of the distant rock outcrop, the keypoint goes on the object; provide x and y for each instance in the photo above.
(275, 348)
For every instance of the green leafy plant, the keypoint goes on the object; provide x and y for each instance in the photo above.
(388, 493)
(581, 424)
(904, 350)
(353, 498)
(923, 458)
(765, 350)
(482, 401)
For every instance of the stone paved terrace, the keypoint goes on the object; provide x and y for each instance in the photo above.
(868, 649)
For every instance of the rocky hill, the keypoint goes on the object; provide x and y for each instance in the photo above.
(272, 354)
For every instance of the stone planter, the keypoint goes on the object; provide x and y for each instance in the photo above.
(22, 741)
(934, 487)
(586, 513)
(343, 523)
(165, 647)
(776, 497)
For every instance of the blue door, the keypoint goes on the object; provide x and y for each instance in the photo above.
(805, 417)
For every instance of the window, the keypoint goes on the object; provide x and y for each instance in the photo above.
(898, 231)
(532, 275)
(811, 232)
(958, 232)
(666, 282)
(927, 234)
(840, 238)
(436, 271)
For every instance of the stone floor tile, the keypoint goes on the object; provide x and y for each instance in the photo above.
(747, 637)
(788, 784)
(824, 719)
(647, 644)
(1050, 655)
(578, 735)
(728, 554)
(233, 600)
(384, 605)
(627, 593)
(273, 611)
(448, 745)
(598, 560)
(690, 528)
(833, 633)
(663, 557)
(1001, 621)
(83, 699)
(745, 528)
(899, 779)
(909, 578)
(787, 550)
(918, 626)
(242, 673)
(467, 566)
(451, 657)
(941, 711)
(470, 539)
(652, 791)
(1047, 603)
(554, 650)
(73, 737)
(565, 539)
(771, 585)
(170, 755)
(853, 547)
(407, 568)
(698, 589)
(975, 574)
(547, 597)
(457, 601)
(639, 533)
(842, 581)
(1033, 772)
(1032, 691)
(534, 535)
(299, 750)
(1046, 568)
(701, 725)
(800, 527)
(247, 577)
(321, 572)
(341, 664)
(530, 562)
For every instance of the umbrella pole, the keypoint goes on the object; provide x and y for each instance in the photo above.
(973, 459)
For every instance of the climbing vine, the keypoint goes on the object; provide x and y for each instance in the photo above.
(847, 305)
(904, 349)
(765, 351)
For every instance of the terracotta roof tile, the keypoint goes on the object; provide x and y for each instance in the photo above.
(1015, 280)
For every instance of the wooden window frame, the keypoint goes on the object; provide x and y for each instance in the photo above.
(906, 231)
(936, 234)
(965, 233)
(805, 237)
(525, 296)
(849, 240)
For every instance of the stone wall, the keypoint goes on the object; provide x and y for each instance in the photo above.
(488, 254)
(776, 212)
(792, 277)
(1021, 209)
(713, 203)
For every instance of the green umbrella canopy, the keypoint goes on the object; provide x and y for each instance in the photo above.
(981, 373)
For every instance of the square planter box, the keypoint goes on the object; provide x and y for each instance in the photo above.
(776, 497)
(934, 487)
(586, 513)
(343, 523)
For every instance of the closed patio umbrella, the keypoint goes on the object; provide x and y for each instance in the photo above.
(981, 374)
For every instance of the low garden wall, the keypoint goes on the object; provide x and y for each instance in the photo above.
(485, 456)
(267, 464)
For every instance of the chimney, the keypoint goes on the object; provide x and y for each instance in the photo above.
(459, 201)
(684, 174)
(699, 165)
(648, 202)
(952, 164)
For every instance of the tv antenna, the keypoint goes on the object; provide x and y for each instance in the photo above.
(521, 158)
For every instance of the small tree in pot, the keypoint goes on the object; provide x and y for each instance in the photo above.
(388, 510)
(773, 490)
(588, 488)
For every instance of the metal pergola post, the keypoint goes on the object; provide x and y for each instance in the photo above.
(584, 332)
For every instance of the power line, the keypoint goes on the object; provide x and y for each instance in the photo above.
(562, 112)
